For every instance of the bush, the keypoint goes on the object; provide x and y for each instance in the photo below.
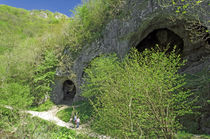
(65, 114)
(16, 95)
(185, 135)
(199, 83)
(83, 110)
(44, 77)
(142, 96)
(8, 117)
(90, 19)
(44, 107)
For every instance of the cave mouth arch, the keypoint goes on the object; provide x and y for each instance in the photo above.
(164, 38)
(69, 90)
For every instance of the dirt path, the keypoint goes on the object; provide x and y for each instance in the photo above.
(50, 115)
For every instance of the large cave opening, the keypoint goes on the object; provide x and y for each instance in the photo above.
(165, 38)
(69, 90)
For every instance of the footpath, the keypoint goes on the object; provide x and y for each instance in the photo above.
(50, 115)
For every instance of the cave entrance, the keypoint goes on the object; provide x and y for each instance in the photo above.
(165, 38)
(69, 90)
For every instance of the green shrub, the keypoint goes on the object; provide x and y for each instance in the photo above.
(199, 83)
(183, 135)
(142, 96)
(190, 11)
(44, 77)
(16, 95)
(8, 117)
(43, 107)
(65, 133)
(65, 114)
(83, 111)
(90, 19)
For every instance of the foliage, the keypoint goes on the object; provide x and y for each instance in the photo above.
(142, 96)
(90, 19)
(203, 88)
(65, 114)
(83, 110)
(27, 63)
(43, 107)
(199, 83)
(9, 118)
(18, 24)
(66, 134)
(16, 95)
(70, 134)
(191, 11)
(20, 125)
(44, 77)
(184, 135)
(30, 46)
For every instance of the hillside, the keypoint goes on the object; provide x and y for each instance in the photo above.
(25, 38)
(19, 24)
(30, 42)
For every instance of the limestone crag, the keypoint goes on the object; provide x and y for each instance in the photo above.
(145, 22)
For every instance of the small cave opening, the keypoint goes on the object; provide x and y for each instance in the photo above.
(165, 38)
(69, 90)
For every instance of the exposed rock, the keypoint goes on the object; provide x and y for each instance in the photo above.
(43, 15)
(59, 16)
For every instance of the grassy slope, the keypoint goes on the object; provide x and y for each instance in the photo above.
(24, 37)
(18, 24)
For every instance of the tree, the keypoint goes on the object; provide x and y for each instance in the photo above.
(141, 96)
(44, 77)
(193, 13)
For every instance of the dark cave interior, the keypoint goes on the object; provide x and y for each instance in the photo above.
(165, 38)
(69, 90)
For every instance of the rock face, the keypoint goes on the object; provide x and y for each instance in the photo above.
(146, 25)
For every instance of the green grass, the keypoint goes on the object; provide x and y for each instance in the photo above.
(185, 135)
(17, 24)
(43, 107)
(24, 126)
(83, 110)
(65, 114)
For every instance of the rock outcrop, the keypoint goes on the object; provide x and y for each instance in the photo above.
(146, 23)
